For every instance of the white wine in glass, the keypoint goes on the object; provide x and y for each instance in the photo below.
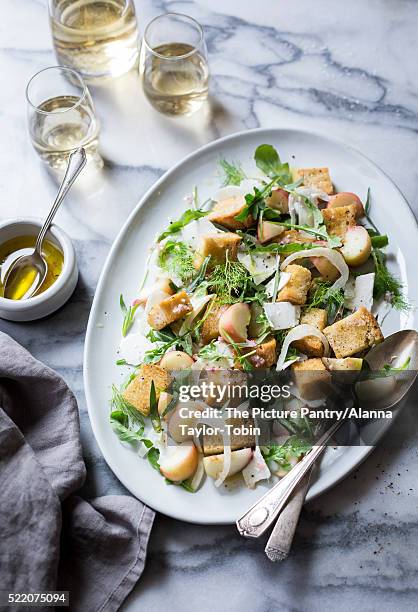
(98, 38)
(175, 73)
(61, 116)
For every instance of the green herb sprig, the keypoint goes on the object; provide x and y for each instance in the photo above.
(128, 314)
(187, 217)
(386, 285)
(233, 172)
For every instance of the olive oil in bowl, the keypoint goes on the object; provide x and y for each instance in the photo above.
(23, 245)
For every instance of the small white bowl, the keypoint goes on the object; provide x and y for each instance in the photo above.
(59, 292)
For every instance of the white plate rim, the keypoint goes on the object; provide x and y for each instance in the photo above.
(362, 452)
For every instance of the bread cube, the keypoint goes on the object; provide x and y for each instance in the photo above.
(217, 245)
(169, 310)
(311, 345)
(225, 211)
(265, 354)
(312, 379)
(353, 334)
(338, 220)
(213, 444)
(314, 177)
(138, 391)
(210, 328)
(296, 289)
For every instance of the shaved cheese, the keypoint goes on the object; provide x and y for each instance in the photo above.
(226, 439)
(133, 348)
(191, 233)
(236, 191)
(198, 303)
(260, 265)
(313, 193)
(333, 256)
(305, 215)
(256, 470)
(283, 280)
(155, 297)
(282, 315)
(360, 292)
(297, 333)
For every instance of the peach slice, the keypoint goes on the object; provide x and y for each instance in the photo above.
(357, 246)
(176, 360)
(234, 322)
(345, 198)
(267, 230)
(279, 200)
(178, 463)
(239, 459)
(325, 268)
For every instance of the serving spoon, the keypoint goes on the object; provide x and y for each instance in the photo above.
(395, 351)
(35, 261)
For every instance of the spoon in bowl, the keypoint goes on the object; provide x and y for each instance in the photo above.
(34, 265)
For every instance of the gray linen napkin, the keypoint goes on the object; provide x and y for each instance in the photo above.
(51, 539)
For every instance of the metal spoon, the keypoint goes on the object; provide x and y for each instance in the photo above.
(35, 262)
(395, 350)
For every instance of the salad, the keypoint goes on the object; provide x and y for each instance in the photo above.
(277, 271)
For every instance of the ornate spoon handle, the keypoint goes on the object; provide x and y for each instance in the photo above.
(261, 515)
(281, 538)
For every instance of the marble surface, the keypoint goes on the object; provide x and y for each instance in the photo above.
(347, 69)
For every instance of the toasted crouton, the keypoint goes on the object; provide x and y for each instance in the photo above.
(213, 444)
(296, 289)
(210, 327)
(311, 345)
(169, 310)
(138, 391)
(314, 177)
(354, 333)
(265, 354)
(217, 245)
(225, 211)
(338, 220)
(312, 378)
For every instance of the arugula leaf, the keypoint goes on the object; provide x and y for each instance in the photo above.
(185, 484)
(255, 202)
(155, 417)
(153, 455)
(380, 241)
(282, 249)
(187, 217)
(120, 425)
(320, 232)
(233, 173)
(367, 207)
(268, 160)
(128, 315)
(293, 448)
